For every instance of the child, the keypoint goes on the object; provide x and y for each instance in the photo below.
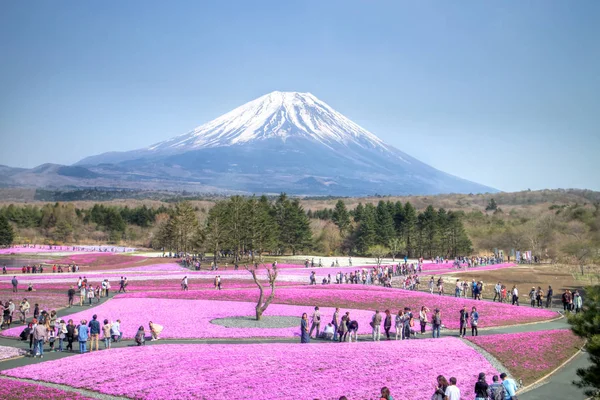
(51, 337)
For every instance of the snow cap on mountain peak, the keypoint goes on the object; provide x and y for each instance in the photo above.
(275, 115)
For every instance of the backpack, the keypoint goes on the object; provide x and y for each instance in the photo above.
(437, 320)
(498, 394)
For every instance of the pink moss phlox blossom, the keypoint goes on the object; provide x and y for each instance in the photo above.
(269, 371)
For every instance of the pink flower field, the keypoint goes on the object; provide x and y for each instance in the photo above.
(531, 355)
(269, 371)
(15, 390)
(184, 319)
(371, 298)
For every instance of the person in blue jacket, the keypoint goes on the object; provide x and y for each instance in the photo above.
(83, 333)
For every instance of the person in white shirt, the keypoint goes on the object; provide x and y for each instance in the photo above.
(452, 391)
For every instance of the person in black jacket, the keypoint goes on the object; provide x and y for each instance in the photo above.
(70, 336)
(464, 318)
(71, 294)
(481, 388)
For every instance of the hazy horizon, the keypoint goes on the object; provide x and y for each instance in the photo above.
(500, 94)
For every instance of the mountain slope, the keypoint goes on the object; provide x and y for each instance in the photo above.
(282, 141)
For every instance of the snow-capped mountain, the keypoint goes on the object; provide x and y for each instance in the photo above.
(282, 141)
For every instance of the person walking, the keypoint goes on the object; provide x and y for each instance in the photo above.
(376, 326)
(387, 324)
(464, 320)
(532, 296)
(316, 322)
(304, 335)
(498, 291)
(515, 295)
(94, 326)
(436, 323)
(474, 321)
(15, 284)
(481, 388)
(82, 333)
(71, 296)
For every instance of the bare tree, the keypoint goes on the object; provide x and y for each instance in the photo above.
(271, 276)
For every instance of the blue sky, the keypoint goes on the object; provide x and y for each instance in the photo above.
(505, 93)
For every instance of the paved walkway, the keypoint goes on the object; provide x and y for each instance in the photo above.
(557, 387)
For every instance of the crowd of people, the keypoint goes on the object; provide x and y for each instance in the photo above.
(343, 328)
(501, 388)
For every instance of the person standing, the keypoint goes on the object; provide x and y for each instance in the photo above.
(94, 332)
(549, 297)
(304, 335)
(15, 284)
(423, 318)
(82, 295)
(474, 321)
(539, 296)
(515, 295)
(343, 329)
(106, 332)
(464, 319)
(440, 390)
(335, 323)
(385, 394)
(510, 387)
(387, 323)
(82, 333)
(436, 323)
(40, 335)
(316, 322)
(496, 389)
(24, 310)
(376, 325)
(70, 335)
(481, 388)
(452, 391)
(184, 283)
(577, 301)
(566, 299)
(400, 325)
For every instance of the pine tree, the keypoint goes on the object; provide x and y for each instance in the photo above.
(367, 234)
(358, 212)
(384, 224)
(341, 217)
(586, 324)
(7, 234)
(409, 228)
(492, 206)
